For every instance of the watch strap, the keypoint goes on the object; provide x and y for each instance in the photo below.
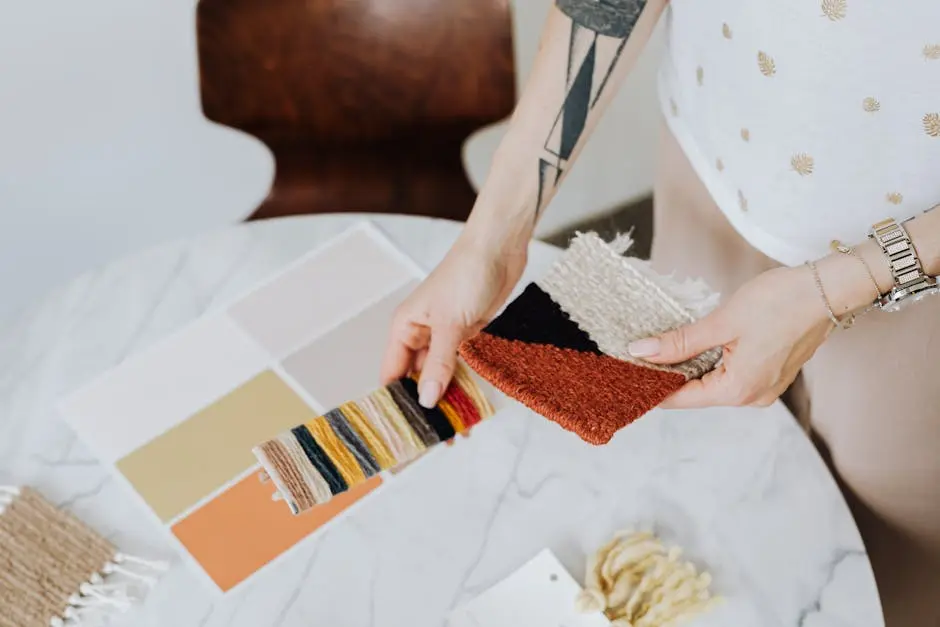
(902, 257)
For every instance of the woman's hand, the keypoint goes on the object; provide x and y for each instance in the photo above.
(454, 302)
(768, 330)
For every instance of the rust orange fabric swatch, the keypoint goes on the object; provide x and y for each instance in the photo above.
(562, 346)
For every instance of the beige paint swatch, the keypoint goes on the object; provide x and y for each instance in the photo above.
(176, 470)
(344, 364)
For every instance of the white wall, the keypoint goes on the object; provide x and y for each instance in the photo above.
(617, 164)
(103, 148)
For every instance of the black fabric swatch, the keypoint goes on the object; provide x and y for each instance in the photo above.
(534, 318)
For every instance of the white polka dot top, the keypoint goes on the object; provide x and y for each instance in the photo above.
(807, 120)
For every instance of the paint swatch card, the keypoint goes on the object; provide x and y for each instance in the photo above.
(178, 421)
(540, 593)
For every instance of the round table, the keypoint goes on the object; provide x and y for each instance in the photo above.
(742, 490)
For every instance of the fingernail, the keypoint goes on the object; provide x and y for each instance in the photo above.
(429, 393)
(644, 348)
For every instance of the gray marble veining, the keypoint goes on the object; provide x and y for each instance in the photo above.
(742, 490)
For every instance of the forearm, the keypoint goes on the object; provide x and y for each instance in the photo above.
(586, 50)
(850, 288)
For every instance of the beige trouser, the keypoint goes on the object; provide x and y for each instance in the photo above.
(871, 395)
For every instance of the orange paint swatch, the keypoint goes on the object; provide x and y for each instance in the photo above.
(242, 529)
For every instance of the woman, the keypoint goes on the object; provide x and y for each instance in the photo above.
(788, 126)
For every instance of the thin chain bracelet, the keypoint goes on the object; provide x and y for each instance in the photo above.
(850, 250)
(822, 292)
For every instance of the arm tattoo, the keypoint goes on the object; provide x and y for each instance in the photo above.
(599, 32)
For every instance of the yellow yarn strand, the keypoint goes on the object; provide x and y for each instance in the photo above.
(470, 387)
(452, 416)
(386, 403)
(367, 433)
(399, 448)
(334, 448)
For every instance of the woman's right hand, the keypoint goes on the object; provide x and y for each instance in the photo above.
(452, 304)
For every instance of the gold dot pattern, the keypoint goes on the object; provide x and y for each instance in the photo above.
(766, 64)
(835, 10)
(932, 124)
(802, 164)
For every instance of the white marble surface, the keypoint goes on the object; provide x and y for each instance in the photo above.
(742, 490)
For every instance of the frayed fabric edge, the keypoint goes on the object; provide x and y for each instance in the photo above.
(115, 588)
(681, 301)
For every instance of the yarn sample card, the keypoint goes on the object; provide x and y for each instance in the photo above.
(541, 593)
(325, 457)
(178, 422)
(560, 348)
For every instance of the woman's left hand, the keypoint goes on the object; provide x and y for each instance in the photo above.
(768, 330)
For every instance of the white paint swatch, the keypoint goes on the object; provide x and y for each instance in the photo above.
(163, 386)
(541, 593)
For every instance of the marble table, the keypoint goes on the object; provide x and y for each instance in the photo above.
(743, 490)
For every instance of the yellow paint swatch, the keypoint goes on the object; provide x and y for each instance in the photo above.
(177, 469)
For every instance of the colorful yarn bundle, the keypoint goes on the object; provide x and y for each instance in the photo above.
(323, 457)
(57, 572)
(560, 348)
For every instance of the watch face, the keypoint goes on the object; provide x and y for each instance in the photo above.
(905, 300)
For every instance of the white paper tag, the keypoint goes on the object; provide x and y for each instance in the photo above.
(539, 594)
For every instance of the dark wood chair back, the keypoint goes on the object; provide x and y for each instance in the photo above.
(364, 103)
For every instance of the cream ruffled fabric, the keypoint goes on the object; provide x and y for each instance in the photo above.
(638, 582)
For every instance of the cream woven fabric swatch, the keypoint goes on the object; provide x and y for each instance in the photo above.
(617, 299)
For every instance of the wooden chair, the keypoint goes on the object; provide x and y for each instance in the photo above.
(364, 103)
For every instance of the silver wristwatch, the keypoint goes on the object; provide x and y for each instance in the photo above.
(911, 283)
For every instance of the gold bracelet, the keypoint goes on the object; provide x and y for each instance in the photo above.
(850, 250)
(822, 292)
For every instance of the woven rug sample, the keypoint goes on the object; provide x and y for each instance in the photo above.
(55, 571)
(560, 347)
